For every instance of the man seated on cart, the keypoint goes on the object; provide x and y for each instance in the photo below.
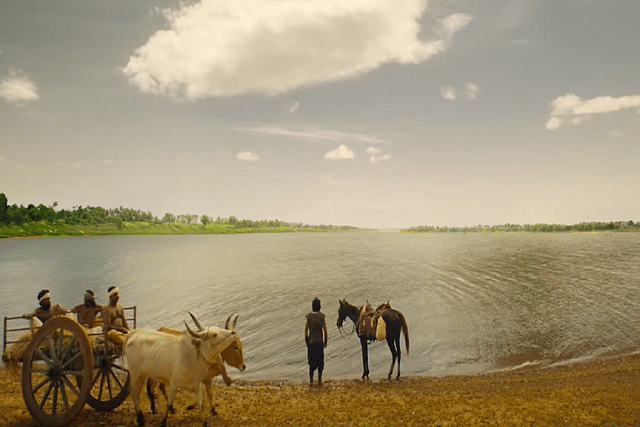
(115, 323)
(88, 312)
(44, 312)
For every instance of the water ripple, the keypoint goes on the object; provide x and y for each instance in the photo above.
(474, 302)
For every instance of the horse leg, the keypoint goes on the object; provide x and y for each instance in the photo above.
(399, 349)
(365, 357)
(391, 343)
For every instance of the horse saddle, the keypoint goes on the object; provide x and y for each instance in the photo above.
(367, 325)
(371, 324)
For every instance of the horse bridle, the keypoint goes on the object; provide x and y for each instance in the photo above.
(353, 329)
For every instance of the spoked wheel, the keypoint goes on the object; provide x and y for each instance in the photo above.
(110, 383)
(54, 366)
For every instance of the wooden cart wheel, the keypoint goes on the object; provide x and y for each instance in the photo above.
(54, 366)
(110, 385)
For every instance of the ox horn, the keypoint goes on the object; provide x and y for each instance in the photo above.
(193, 334)
(198, 325)
(233, 326)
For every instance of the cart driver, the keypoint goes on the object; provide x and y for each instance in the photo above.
(44, 312)
(115, 323)
(88, 311)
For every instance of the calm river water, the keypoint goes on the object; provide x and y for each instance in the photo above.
(473, 302)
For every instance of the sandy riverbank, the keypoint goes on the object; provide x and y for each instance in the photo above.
(603, 392)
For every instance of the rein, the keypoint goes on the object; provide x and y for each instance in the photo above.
(353, 329)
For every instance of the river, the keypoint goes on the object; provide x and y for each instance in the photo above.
(474, 302)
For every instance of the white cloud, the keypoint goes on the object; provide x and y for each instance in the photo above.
(607, 104)
(471, 90)
(317, 134)
(554, 123)
(293, 107)
(341, 153)
(454, 23)
(247, 156)
(450, 93)
(570, 108)
(377, 155)
(230, 47)
(16, 87)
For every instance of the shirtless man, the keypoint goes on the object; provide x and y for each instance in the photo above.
(88, 311)
(115, 324)
(45, 311)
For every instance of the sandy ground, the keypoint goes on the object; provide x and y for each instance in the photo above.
(603, 392)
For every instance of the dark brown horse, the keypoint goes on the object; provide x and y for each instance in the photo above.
(395, 322)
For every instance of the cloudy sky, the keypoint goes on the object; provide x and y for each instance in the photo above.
(370, 113)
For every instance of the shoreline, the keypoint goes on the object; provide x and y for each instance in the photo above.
(594, 392)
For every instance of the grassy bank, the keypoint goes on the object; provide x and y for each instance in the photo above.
(601, 392)
(59, 228)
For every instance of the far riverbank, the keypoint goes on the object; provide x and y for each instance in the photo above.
(59, 229)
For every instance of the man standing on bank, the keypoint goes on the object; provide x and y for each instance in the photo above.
(315, 334)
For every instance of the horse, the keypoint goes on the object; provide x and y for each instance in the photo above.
(394, 320)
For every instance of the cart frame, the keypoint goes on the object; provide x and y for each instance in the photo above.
(64, 367)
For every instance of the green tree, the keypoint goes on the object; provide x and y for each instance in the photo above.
(4, 218)
(169, 217)
(205, 220)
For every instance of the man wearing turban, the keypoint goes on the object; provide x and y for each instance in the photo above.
(45, 311)
(115, 322)
(88, 311)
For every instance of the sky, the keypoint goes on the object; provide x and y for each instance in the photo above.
(368, 113)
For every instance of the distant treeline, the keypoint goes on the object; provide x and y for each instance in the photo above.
(93, 215)
(545, 228)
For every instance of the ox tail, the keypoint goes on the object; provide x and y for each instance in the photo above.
(405, 331)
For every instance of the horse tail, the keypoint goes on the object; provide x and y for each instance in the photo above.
(405, 330)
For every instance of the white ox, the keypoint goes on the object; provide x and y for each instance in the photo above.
(177, 362)
(231, 355)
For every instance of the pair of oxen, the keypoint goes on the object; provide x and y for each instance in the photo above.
(181, 360)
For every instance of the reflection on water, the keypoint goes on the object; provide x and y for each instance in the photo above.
(474, 302)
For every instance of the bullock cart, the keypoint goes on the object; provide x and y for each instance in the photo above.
(65, 366)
